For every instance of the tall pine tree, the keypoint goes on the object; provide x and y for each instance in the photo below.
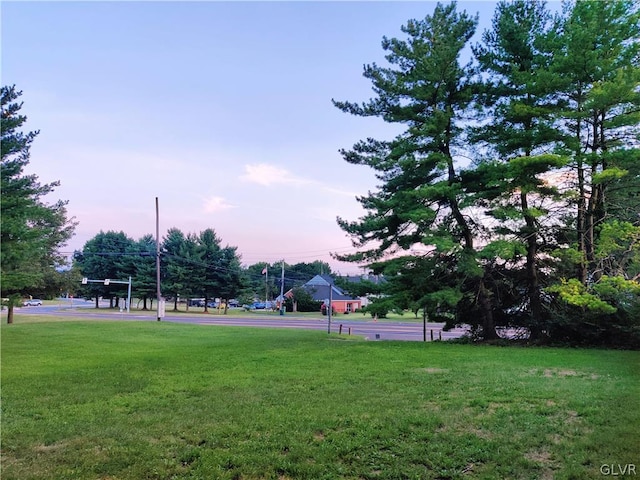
(420, 199)
(32, 230)
(519, 133)
(598, 63)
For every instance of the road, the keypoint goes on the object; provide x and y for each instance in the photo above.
(369, 329)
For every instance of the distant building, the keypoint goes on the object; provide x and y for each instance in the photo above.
(369, 277)
(322, 288)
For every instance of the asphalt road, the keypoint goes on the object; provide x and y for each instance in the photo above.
(369, 329)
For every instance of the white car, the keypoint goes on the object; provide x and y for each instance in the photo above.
(34, 302)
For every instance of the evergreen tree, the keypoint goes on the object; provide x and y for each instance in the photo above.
(105, 256)
(143, 269)
(175, 269)
(32, 230)
(598, 62)
(230, 278)
(518, 131)
(420, 200)
(208, 252)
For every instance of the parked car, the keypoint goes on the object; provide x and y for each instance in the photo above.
(34, 302)
(262, 305)
(196, 302)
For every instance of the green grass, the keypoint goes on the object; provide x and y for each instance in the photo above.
(148, 400)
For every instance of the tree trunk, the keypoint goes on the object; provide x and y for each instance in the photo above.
(582, 194)
(486, 310)
(533, 286)
(424, 324)
(581, 223)
(595, 207)
(10, 312)
(484, 298)
(97, 301)
(488, 324)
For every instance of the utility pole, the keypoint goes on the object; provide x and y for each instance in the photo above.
(158, 294)
(266, 286)
(282, 290)
(129, 296)
(330, 308)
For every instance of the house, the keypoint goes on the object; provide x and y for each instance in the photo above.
(322, 288)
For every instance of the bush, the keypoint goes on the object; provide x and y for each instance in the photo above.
(379, 307)
(305, 302)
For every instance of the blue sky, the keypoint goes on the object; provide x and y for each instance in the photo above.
(222, 110)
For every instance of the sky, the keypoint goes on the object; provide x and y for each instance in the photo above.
(221, 110)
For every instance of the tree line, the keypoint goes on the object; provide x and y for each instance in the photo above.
(192, 266)
(511, 199)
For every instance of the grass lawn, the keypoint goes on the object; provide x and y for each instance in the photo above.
(145, 400)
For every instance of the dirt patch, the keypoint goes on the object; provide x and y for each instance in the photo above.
(49, 448)
(480, 433)
(543, 458)
(434, 370)
(572, 416)
(432, 406)
(539, 456)
(563, 373)
(560, 373)
(555, 439)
